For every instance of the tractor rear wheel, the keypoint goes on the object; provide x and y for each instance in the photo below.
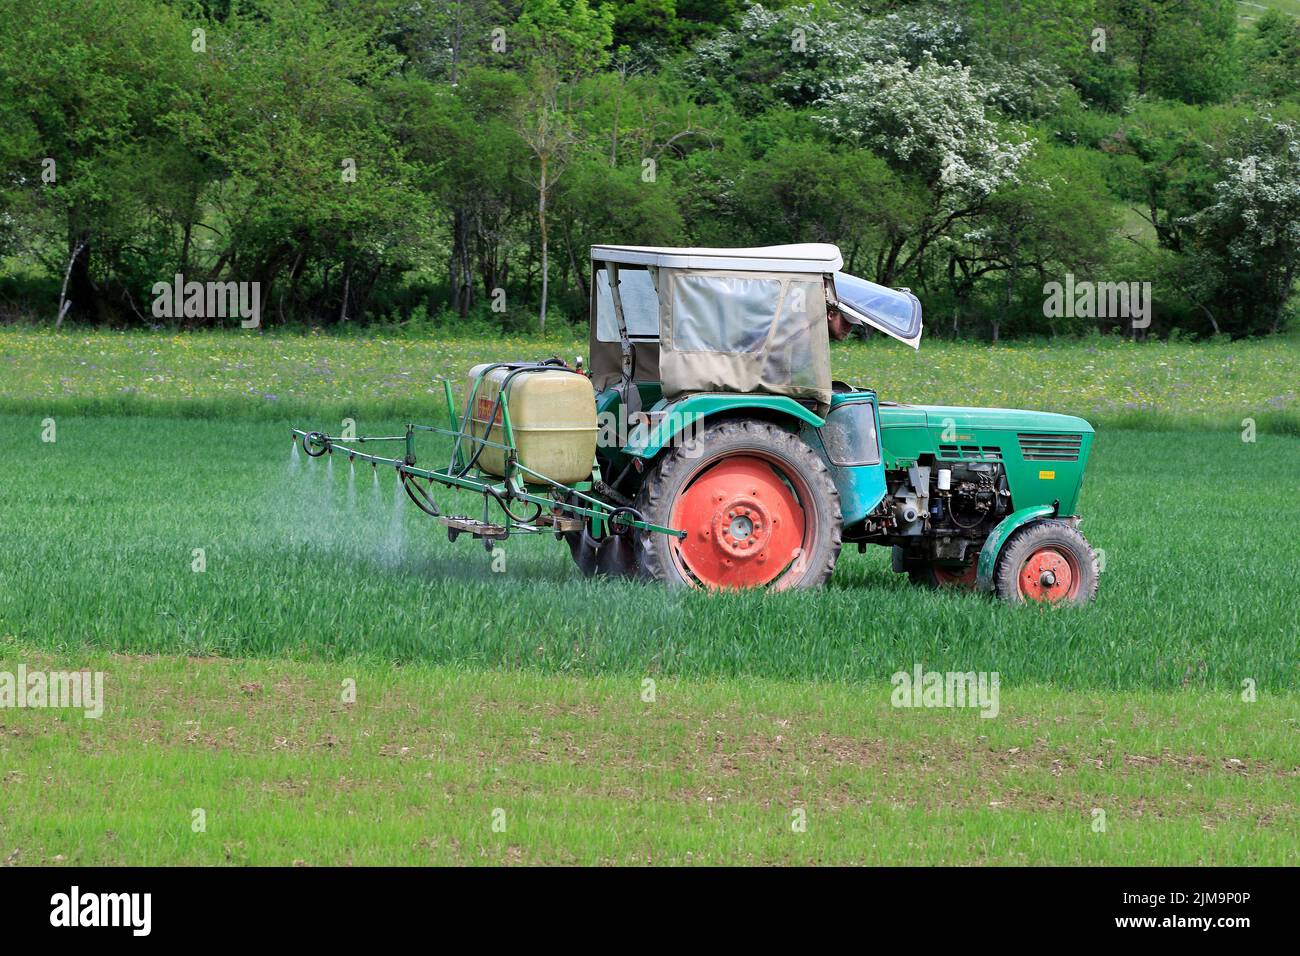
(1048, 562)
(757, 503)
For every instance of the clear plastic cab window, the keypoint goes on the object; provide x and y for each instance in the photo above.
(637, 288)
(722, 313)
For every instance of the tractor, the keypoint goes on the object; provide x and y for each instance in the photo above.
(707, 446)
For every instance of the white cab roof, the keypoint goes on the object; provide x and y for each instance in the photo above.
(819, 257)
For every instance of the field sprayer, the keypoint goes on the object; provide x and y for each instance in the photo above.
(706, 445)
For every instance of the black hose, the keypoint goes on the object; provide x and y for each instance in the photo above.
(311, 439)
(506, 508)
(952, 514)
(492, 416)
(620, 512)
(468, 417)
(613, 526)
(425, 501)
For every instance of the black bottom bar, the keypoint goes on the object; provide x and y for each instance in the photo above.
(962, 907)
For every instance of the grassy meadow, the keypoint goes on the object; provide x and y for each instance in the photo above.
(278, 376)
(227, 588)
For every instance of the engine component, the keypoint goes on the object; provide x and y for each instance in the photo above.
(978, 493)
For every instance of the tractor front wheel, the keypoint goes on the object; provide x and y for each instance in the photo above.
(758, 506)
(1047, 562)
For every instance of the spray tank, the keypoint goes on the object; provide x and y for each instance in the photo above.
(552, 416)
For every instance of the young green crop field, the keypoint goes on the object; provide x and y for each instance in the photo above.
(433, 765)
(229, 590)
(313, 559)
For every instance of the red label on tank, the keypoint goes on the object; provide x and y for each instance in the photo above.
(483, 410)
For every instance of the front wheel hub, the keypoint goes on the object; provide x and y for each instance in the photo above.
(1049, 575)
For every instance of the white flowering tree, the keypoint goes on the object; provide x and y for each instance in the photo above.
(799, 54)
(931, 124)
(1245, 245)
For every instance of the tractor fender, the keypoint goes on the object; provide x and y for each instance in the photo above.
(687, 415)
(988, 558)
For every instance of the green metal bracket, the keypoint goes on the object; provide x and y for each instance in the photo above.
(451, 403)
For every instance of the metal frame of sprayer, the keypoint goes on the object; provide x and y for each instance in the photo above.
(567, 508)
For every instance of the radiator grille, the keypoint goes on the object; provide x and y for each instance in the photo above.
(1050, 447)
(970, 453)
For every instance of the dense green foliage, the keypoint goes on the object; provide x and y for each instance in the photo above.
(450, 162)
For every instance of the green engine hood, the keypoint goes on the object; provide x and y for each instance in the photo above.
(1013, 419)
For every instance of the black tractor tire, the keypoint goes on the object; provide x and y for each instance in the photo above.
(794, 463)
(1046, 561)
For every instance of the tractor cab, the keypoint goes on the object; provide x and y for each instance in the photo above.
(680, 335)
(685, 340)
(748, 321)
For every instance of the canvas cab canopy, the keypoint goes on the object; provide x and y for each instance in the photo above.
(731, 320)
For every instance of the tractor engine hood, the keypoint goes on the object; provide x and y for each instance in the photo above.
(1015, 419)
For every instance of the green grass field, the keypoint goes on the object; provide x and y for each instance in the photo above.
(521, 689)
(101, 526)
(582, 770)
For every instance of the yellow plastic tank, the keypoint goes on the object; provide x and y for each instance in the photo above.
(552, 417)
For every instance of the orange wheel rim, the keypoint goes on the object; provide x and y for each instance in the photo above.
(744, 524)
(1049, 575)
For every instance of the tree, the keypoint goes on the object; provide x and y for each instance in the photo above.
(601, 203)
(315, 191)
(798, 55)
(1245, 245)
(1057, 219)
(808, 190)
(1163, 163)
(1180, 49)
(1274, 55)
(559, 40)
(464, 139)
(931, 125)
(87, 112)
(440, 41)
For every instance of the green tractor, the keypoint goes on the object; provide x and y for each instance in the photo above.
(707, 446)
(717, 361)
